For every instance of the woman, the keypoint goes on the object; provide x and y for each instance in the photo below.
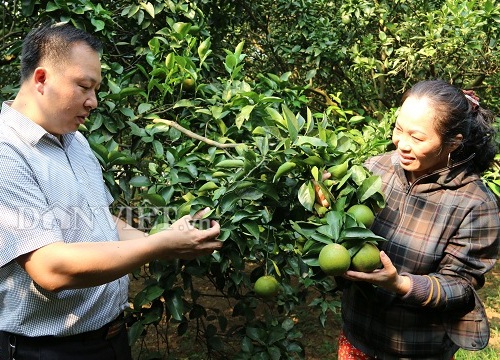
(442, 229)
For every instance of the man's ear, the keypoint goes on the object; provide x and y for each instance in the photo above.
(39, 78)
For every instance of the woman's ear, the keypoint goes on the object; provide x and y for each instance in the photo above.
(457, 141)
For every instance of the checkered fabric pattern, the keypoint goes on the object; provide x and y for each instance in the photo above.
(51, 191)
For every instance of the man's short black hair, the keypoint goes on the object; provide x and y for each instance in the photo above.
(52, 42)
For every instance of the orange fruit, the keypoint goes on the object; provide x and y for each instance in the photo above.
(362, 214)
(266, 286)
(188, 84)
(367, 258)
(334, 259)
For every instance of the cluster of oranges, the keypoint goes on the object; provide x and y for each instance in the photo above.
(335, 259)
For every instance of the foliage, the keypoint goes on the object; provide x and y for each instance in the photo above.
(216, 104)
(376, 49)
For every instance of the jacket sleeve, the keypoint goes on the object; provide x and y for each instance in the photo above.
(468, 256)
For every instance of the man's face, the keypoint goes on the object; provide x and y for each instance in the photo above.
(69, 90)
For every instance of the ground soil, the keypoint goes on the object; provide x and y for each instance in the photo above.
(319, 341)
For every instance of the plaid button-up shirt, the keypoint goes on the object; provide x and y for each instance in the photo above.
(443, 232)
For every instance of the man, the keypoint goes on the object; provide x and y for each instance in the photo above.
(64, 258)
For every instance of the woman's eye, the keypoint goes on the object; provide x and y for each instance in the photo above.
(84, 87)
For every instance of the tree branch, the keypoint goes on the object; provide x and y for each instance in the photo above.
(194, 135)
(328, 99)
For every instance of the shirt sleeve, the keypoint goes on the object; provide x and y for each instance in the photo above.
(27, 222)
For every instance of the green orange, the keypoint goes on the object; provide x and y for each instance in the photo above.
(366, 259)
(334, 259)
(266, 286)
(362, 214)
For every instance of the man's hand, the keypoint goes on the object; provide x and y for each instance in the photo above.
(185, 241)
(60, 266)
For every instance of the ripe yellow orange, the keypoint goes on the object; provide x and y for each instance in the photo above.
(188, 84)
(334, 259)
(266, 286)
(366, 259)
(362, 214)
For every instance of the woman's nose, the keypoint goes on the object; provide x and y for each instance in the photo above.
(401, 143)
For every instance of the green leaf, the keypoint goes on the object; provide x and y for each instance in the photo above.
(253, 228)
(155, 199)
(144, 107)
(27, 7)
(98, 24)
(302, 140)
(149, 8)
(97, 122)
(135, 332)
(256, 334)
(274, 352)
(276, 267)
(127, 112)
(276, 116)
(230, 62)
(335, 220)
(153, 314)
(369, 187)
(284, 169)
(359, 234)
(115, 89)
(136, 130)
(158, 148)
(50, 6)
(183, 103)
(292, 123)
(247, 345)
(228, 202)
(181, 28)
(239, 49)
(306, 195)
(288, 324)
(204, 48)
(175, 305)
(139, 181)
(100, 151)
(244, 115)
(149, 294)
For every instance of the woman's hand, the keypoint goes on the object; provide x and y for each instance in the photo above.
(387, 277)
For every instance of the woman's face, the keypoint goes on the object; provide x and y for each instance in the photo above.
(418, 144)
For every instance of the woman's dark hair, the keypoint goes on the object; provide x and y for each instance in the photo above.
(458, 114)
(52, 42)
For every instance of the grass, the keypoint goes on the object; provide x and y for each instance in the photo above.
(485, 354)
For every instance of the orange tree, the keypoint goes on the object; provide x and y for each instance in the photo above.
(181, 127)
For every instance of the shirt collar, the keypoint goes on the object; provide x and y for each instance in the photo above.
(27, 129)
